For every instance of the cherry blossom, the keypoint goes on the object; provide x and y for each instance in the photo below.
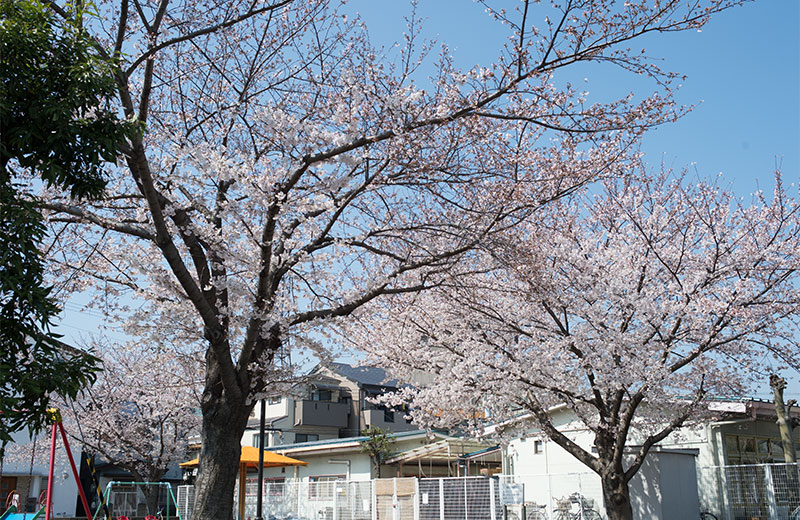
(290, 172)
(631, 306)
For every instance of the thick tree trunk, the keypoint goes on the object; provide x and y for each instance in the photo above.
(616, 495)
(223, 427)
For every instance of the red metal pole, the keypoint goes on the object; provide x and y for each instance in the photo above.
(75, 472)
(48, 511)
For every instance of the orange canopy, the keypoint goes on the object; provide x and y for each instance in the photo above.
(249, 457)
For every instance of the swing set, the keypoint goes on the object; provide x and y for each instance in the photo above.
(45, 506)
(124, 498)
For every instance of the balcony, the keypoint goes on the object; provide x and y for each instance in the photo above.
(387, 420)
(320, 413)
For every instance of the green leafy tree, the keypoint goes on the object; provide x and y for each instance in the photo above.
(33, 364)
(379, 445)
(54, 92)
(54, 125)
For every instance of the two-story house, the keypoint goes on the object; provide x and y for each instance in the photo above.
(336, 402)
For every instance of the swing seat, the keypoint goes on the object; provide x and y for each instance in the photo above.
(150, 517)
(122, 518)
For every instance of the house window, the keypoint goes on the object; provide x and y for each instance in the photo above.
(273, 487)
(305, 437)
(275, 399)
(388, 415)
(257, 444)
(538, 446)
(322, 487)
(321, 395)
(748, 449)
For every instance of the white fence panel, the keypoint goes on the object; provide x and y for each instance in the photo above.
(574, 496)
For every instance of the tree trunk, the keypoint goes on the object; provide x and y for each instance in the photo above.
(778, 385)
(223, 426)
(616, 495)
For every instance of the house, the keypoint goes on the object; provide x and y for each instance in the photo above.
(741, 470)
(415, 453)
(334, 403)
(744, 431)
(711, 464)
(339, 475)
(545, 476)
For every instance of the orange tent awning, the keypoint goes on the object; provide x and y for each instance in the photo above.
(249, 457)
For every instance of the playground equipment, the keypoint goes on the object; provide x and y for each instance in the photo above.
(13, 502)
(151, 500)
(13, 515)
(55, 417)
(8, 512)
(12, 508)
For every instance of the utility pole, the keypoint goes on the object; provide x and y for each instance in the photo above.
(261, 439)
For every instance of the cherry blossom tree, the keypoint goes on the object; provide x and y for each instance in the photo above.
(291, 172)
(631, 307)
(138, 415)
(141, 411)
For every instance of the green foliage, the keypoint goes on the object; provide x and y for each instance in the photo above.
(379, 445)
(33, 364)
(55, 123)
(54, 91)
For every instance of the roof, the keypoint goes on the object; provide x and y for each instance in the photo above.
(446, 450)
(749, 407)
(346, 444)
(249, 457)
(364, 375)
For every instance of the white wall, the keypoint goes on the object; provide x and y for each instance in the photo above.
(320, 465)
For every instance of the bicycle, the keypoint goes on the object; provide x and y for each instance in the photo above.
(534, 511)
(705, 515)
(575, 507)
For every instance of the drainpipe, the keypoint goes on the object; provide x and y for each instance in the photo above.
(359, 408)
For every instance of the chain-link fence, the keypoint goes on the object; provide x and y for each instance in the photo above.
(753, 491)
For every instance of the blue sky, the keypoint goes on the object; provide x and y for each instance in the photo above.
(743, 73)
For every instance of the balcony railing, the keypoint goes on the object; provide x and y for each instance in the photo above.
(320, 413)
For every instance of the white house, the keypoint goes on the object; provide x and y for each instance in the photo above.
(340, 475)
(696, 468)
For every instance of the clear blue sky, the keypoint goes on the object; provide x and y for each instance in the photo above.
(743, 76)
